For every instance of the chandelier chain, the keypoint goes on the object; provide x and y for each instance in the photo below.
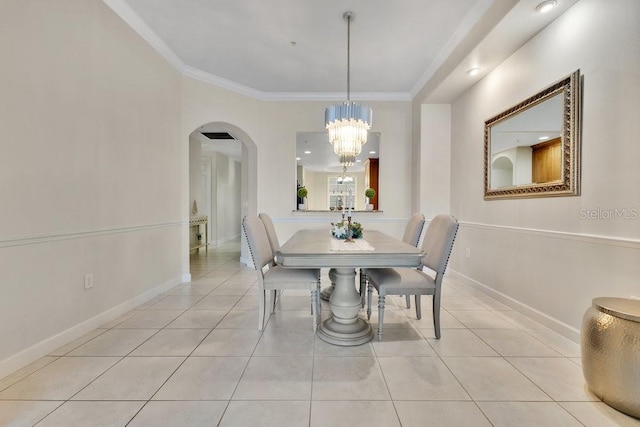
(348, 57)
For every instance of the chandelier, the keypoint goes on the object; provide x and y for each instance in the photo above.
(349, 122)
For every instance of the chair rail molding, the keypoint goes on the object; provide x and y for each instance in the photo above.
(33, 239)
(587, 238)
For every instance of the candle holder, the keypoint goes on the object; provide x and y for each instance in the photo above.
(349, 230)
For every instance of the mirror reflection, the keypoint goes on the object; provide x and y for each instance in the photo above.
(526, 147)
(532, 149)
(318, 169)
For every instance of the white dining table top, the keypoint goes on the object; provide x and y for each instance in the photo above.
(312, 249)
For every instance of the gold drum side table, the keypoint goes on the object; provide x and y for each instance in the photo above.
(610, 339)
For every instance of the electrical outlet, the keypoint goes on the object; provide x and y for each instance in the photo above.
(88, 281)
(468, 252)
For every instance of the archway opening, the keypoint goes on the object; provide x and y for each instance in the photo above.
(222, 183)
(501, 172)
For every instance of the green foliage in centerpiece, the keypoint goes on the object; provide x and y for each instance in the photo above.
(339, 230)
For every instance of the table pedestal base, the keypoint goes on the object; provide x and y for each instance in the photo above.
(345, 328)
(356, 333)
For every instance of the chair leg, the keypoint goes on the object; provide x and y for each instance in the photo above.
(363, 285)
(436, 315)
(418, 308)
(314, 309)
(408, 298)
(380, 315)
(274, 298)
(369, 293)
(261, 308)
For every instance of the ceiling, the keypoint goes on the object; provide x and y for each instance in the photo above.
(406, 50)
(297, 49)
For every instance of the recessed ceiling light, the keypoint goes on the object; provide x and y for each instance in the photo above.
(546, 6)
(542, 138)
(358, 161)
(307, 152)
(474, 71)
(297, 158)
(372, 152)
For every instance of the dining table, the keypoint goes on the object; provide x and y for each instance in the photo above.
(319, 249)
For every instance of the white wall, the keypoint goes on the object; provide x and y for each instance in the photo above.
(273, 125)
(317, 187)
(228, 215)
(195, 176)
(195, 190)
(89, 173)
(544, 254)
(226, 194)
(434, 160)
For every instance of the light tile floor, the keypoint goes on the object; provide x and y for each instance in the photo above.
(194, 357)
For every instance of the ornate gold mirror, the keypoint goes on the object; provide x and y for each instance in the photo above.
(533, 148)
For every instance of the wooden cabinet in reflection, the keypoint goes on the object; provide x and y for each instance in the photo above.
(371, 180)
(546, 161)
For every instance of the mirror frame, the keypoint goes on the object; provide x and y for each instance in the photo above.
(569, 185)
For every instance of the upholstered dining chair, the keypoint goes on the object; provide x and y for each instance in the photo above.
(273, 239)
(411, 236)
(272, 277)
(271, 231)
(437, 245)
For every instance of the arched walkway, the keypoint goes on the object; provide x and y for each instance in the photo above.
(248, 177)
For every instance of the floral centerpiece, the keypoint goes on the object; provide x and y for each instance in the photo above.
(339, 230)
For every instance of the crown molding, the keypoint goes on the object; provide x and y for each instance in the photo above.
(223, 83)
(128, 15)
(124, 11)
(470, 20)
(212, 79)
(338, 96)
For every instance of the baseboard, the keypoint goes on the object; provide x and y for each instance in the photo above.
(41, 349)
(225, 240)
(550, 322)
(246, 261)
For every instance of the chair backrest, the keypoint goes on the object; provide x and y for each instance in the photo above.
(271, 231)
(414, 229)
(258, 241)
(438, 242)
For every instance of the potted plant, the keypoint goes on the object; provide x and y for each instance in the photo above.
(302, 193)
(369, 193)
